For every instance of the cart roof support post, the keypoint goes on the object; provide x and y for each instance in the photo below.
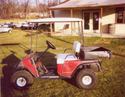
(82, 33)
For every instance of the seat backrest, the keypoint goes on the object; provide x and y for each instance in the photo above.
(76, 46)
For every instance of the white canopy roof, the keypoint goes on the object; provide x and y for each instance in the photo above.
(50, 20)
(88, 3)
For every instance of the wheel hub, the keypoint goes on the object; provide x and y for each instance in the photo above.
(87, 80)
(21, 82)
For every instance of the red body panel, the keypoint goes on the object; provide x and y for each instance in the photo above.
(65, 70)
(29, 66)
(59, 69)
(68, 68)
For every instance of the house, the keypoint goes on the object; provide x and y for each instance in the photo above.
(99, 16)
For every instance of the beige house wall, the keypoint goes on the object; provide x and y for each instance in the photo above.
(67, 13)
(73, 27)
(109, 17)
(120, 29)
(77, 14)
(117, 29)
(109, 24)
(62, 13)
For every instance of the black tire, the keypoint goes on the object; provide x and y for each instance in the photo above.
(86, 79)
(21, 79)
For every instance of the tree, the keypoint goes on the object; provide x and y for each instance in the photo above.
(7, 8)
(26, 6)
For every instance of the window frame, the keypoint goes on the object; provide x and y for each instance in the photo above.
(118, 9)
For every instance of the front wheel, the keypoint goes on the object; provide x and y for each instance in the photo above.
(86, 79)
(21, 79)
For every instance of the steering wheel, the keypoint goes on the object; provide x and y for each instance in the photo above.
(50, 45)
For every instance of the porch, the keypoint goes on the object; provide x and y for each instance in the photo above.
(107, 20)
(103, 35)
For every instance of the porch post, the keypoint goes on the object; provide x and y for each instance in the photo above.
(82, 31)
(51, 24)
(71, 15)
(50, 14)
(101, 15)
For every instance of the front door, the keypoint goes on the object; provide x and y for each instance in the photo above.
(86, 21)
(91, 21)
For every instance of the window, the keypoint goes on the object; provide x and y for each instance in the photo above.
(87, 20)
(120, 15)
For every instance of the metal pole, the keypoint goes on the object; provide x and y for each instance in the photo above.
(31, 41)
(82, 33)
(79, 29)
(51, 28)
(36, 40)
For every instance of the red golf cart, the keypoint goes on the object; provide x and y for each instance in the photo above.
(68, 66)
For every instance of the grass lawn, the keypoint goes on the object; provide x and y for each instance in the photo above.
(111, 82)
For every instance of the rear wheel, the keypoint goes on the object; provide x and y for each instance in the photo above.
(86, 79)
(21, 79)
